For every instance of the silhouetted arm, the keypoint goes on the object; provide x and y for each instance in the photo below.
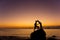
(35, 25)
(40, 24)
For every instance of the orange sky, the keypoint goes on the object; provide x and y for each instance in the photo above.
(24, 13)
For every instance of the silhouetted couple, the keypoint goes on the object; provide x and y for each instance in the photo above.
(39, 33)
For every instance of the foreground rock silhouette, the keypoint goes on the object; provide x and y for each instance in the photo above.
(39, 34)
(52, 38)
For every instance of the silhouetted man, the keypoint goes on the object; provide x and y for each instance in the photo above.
(39, 34)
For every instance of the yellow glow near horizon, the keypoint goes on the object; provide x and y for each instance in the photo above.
(30, 24)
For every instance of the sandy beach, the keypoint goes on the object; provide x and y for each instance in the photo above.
(14, 38)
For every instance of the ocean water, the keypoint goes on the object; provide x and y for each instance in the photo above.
(27, 32)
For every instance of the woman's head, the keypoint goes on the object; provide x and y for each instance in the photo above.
(38, 24)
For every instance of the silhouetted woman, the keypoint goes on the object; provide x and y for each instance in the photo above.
(36, 25)
(39, 34)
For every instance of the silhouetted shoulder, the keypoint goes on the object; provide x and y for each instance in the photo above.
(38, 34)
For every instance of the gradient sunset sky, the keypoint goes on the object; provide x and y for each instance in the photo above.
(25, 12)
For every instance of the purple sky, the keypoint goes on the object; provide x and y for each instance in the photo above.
(25, 12)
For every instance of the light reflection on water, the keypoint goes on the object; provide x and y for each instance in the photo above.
(27, 32)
